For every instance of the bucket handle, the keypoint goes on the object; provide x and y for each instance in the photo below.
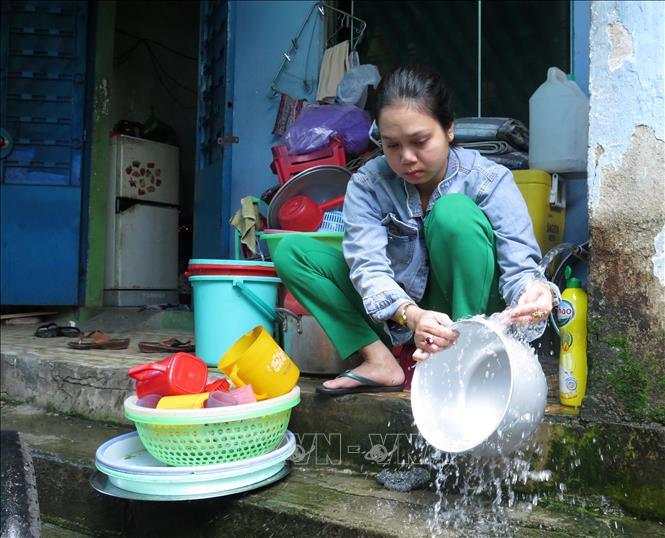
(139, 372)
(260, 303)
(284, 314)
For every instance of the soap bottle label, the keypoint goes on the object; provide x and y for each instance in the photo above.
(567, 380)
(565, 312)
(566, 341)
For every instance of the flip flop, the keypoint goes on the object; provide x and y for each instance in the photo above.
(99, 340)
(368, 385)
(51, 330)
(171, 345)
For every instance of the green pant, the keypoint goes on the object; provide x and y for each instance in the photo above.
(463, 277)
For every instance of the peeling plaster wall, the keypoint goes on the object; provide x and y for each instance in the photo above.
(626, 79)
(627, 210)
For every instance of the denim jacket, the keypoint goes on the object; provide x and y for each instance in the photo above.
(384, 243)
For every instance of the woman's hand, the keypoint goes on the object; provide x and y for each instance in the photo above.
(534, 305)
(431, 332)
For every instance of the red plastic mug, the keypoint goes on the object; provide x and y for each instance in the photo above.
(181, 373)
(302, 214)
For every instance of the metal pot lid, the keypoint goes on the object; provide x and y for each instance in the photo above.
(320, 183)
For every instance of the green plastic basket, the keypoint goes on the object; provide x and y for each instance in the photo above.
(333, 239)
(187, 437)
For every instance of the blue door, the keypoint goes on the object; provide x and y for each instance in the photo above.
(212, 204)
(43, 57)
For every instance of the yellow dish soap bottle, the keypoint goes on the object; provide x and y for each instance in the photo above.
(572, 322)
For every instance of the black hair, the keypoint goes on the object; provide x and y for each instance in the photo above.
(423, 88)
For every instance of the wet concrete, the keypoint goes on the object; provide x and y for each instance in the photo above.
(90, 383)
(20, 505)
(315, 500)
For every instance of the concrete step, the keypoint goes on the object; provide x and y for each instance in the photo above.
(366, 432)
(312, 501)
(49, 530)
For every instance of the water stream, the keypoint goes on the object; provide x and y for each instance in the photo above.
(474, 493)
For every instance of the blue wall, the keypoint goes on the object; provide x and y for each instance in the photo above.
(263, 33)
(576, 230)
(581, 21)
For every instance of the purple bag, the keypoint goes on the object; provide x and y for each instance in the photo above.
(317, 123)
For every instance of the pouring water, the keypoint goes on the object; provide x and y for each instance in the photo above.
(479, 403)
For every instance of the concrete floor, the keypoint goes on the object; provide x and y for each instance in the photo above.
(21, 339)
(157, 325)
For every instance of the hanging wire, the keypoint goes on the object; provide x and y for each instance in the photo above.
(157, 67)
(158, 43)
(289, 54)
(160, 70)
(354, 41)
(321, 7)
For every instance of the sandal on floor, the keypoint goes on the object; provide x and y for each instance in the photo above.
(368, 385)
(170, 345)
(99, 340)
(51, 330)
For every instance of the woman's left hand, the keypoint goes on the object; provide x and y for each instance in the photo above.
(534, 305)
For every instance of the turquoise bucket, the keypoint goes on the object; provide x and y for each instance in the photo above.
(227, 307)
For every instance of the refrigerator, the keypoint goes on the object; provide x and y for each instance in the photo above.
(142, 225)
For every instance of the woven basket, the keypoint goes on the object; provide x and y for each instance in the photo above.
(188, 437)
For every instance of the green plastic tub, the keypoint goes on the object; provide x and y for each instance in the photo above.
(333, 239)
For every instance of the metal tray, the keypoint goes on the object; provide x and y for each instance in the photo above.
(320, 183)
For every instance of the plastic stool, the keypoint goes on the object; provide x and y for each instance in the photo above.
(286, 166)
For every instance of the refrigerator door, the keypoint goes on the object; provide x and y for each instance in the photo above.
(145, 170)
(145, 250)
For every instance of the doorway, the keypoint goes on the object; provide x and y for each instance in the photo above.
(154, 93)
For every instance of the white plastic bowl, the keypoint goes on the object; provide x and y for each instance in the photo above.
(131, 468)
(484, 395)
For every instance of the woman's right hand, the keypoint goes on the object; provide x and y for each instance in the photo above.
(431, 332)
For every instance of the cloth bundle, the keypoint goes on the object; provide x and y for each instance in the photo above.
(502, 140)
(287, 114)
